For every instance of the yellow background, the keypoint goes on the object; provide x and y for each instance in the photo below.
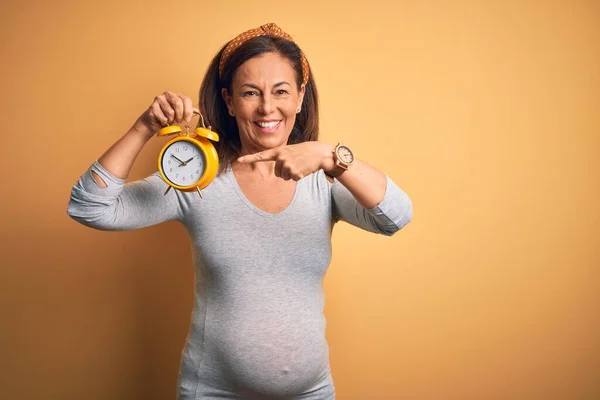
(486, 112)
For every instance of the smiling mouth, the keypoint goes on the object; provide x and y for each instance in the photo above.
(268, 127)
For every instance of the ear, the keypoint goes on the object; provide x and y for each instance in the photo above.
(227, 97)
(301, 96)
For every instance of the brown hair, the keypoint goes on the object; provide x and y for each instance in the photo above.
(215, 112)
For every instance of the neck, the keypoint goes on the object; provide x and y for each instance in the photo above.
(264, 169)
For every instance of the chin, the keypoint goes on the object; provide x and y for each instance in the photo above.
(270, 141)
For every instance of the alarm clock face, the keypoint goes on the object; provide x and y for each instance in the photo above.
(183, 163)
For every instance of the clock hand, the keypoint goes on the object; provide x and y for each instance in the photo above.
(185, 162)
(182, 163)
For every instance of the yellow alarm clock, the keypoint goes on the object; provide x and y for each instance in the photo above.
(188, 162)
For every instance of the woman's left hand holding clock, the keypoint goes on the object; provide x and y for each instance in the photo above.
(166, 109)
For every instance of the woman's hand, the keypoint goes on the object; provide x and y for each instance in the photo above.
(296, 161)
(168, 108)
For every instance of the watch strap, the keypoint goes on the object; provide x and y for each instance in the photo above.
(334, 173)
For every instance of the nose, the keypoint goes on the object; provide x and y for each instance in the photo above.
(267, 105)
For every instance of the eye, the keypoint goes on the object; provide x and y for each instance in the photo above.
(282, 91)
(250, 93)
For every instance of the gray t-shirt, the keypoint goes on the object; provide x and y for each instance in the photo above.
(257, 327)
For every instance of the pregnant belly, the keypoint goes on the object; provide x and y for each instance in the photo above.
(274, 352)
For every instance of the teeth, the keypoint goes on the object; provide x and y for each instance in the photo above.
(268, 125)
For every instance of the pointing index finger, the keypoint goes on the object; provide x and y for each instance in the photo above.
(267, 155)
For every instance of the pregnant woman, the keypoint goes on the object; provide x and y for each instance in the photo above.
(261, 233)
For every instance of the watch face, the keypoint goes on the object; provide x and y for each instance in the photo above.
(345, 155)
(183, 163)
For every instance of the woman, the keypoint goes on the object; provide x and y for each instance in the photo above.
(261, 233)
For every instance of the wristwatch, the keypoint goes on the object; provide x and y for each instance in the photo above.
(343, 157)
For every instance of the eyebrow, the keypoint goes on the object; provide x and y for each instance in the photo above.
(257, 88)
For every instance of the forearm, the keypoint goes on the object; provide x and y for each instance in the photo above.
(119, 158)
(366, 183)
